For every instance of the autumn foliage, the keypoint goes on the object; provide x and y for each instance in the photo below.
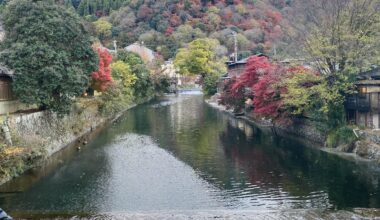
(233, 99)
(102, 78)
(164, 24)
(256, 67)
(267, 90)
(264, 83)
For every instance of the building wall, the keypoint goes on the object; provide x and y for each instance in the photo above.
(364, 108)
(368, 119)
(236, 70)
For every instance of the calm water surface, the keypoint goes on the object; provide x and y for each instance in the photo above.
(177, 153)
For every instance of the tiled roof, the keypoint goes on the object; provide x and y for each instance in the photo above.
(368, 82)
(145, 53)
(371, 74)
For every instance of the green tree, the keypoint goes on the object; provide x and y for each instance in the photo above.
(200, 58)
(186, 33)
(50, 52)
(143, 88)
(308, 94)
(103, 29)
(123, 73)
(342, 39)
(210, 84)
(342, 36)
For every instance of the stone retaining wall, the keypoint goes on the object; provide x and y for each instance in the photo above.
(302, 129)
(311, 133)
(48, 131)
(38, 135)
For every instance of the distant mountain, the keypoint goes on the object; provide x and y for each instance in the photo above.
(165, 26)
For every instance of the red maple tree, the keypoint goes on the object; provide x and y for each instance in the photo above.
(260, 82)
(102, 78)
(256, 66)
(232, 100)
(268, 89)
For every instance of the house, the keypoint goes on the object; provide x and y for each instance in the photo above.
(363, 108)
(146, 54)
(235, 69)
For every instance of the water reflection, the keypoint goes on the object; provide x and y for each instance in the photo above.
(307, 177)
(179, 154)
(257, 169)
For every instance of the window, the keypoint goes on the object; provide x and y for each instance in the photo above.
(5, 88)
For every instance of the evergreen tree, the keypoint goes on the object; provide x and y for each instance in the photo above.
(50, 53)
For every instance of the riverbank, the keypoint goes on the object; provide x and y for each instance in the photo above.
(367, 148)
(302, 132)
(27, 139)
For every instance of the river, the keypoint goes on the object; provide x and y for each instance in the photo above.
(178, 155)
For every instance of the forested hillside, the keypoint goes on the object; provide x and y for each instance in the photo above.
(165, 26)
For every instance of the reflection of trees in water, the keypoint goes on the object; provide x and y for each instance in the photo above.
(277, 162)
(229, 153)
(75, 181)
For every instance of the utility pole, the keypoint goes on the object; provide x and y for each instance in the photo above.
(234, 34)
(115, 46)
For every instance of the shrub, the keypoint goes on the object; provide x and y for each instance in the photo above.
(115, 99)
(339, 136)
(210, 84)
(162, 83)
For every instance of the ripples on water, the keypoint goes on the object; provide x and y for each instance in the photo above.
(179, 154)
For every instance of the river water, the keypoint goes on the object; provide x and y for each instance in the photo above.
(178, 155)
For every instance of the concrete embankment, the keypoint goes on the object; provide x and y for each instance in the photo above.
(30, 138)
